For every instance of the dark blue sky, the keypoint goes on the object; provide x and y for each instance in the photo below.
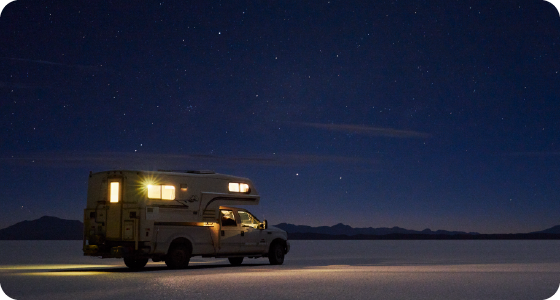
(420, 114)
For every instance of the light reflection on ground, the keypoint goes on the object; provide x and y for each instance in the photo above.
(69, 273)
(313, 270)
(81, 270)
(52, 267)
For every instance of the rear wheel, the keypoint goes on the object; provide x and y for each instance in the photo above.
(135, 264)
(178, 257)
(276, 254)
(236, 261)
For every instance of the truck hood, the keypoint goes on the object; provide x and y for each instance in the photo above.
(276, 229)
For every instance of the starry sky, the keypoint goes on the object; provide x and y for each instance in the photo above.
(440, 114)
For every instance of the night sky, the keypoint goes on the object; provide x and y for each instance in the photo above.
(437, 114)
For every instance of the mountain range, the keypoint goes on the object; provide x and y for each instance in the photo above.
(341, 229)
(345, 232)
(53, 228)
(44, 228)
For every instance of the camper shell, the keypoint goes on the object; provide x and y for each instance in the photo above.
(173, 215)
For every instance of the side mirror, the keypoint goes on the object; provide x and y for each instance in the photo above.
(263, 225)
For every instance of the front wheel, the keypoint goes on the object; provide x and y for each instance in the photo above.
(276, 254)
(236, 261)
(178, 257)
(135, 264)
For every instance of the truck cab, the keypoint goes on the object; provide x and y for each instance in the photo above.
(172, 216)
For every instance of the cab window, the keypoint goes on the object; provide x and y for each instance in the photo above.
(228, 218)
(248, 219)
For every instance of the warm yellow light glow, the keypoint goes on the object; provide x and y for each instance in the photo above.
(164, 192)
(238, 187)
(114, 192)
(73, 273)
(234, 187)
(154, 191)
(168, 192)
(53, 267)
(243, 188)
(144, 182)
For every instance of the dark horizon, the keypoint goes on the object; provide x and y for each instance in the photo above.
(439, 114)
(336, 229)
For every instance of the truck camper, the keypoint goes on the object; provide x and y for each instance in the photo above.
(172, 216)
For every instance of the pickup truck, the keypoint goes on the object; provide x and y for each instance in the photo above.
(172, 216)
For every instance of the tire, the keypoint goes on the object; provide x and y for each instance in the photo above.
(135, 264)
(276, 254)
(178, 257)
(236, 261)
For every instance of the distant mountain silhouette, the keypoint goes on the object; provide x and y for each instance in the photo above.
(345, 232)
(553, 230)
(341, 229)
(44, 228)
(53, 228)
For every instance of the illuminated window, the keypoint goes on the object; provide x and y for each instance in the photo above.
(184, 188)
(114, 192)
(164, 192)
(243, 188)
(154, 191)
(234, 187)
(238, 187)
(168, 192)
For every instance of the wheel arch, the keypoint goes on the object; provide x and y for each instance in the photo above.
(183, 241)
(281, 242)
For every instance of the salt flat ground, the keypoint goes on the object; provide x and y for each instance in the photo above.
(312, 270)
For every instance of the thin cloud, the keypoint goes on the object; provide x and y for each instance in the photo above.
(366, 130)
(120, 160)
(13, 85)
(535, 154)
(35, 61)
(150, 161)
(52, 63)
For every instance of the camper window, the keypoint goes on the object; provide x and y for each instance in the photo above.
(168, 192)
(114, 192)
(239, 187)
(164, 192)
(154, 191)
